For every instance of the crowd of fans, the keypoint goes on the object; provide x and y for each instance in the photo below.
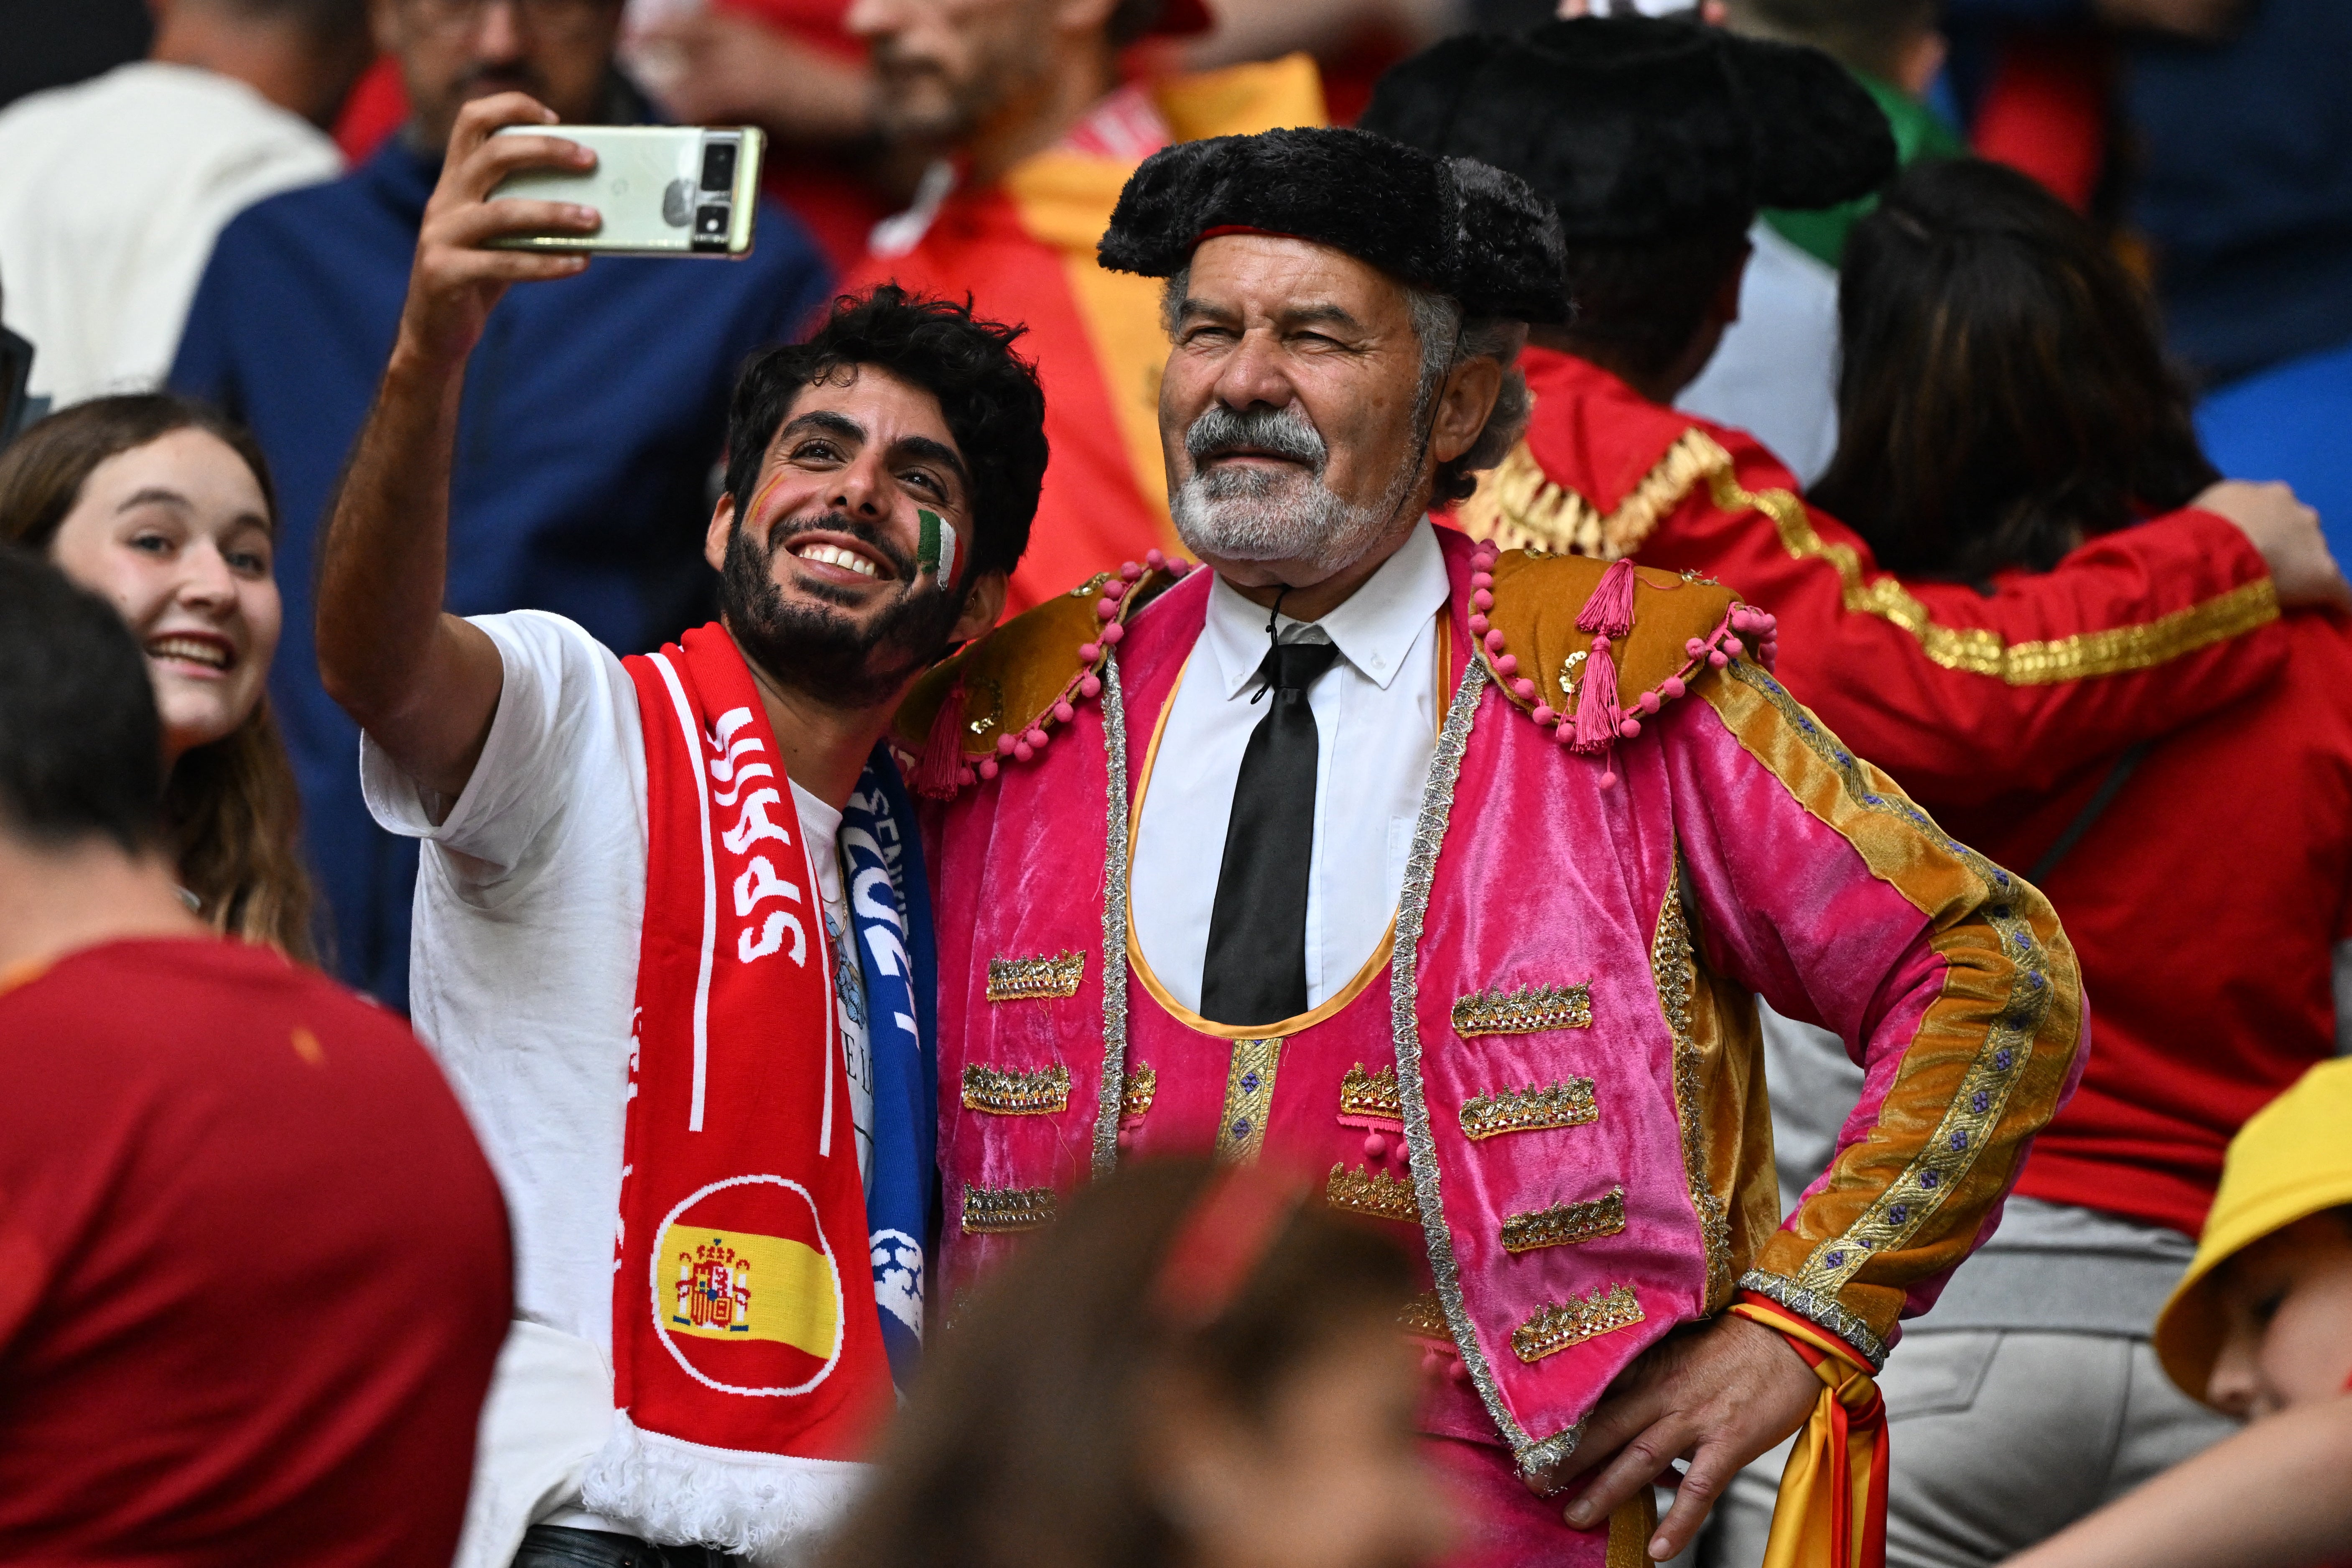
(2008, 362)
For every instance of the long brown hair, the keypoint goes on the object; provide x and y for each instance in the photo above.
(1023, 1445)
(231, 807)
(2003, 393)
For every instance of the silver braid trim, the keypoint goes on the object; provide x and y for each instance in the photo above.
(1822, 1309)
(1114, 921)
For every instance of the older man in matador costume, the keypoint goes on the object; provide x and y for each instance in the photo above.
(1449, 874)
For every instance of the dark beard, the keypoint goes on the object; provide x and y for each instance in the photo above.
(822, 655)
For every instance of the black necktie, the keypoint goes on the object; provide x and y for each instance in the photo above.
(1256, 968)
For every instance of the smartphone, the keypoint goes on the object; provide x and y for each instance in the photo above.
(664, 190)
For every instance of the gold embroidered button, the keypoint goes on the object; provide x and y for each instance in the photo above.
(1371, 1094)
(999, 1092)
(1032, 979)
(1560, 1324)
(1423, 1316)
(1565, 1224)
(1135, 1094)
(991, 1210)
(1526, 1011)
(1565, 1104)
(1373, 1192)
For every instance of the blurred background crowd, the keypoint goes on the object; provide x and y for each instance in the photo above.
(223, 195)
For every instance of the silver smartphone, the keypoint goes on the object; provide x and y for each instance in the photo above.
(664, 190)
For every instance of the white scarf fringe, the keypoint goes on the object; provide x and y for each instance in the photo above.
(773, 1507)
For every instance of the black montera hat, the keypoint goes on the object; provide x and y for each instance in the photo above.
(1446, 225)
(1645, 130)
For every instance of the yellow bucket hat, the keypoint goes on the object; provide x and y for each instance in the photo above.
(2293, 1158)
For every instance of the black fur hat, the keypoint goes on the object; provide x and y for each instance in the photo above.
(1645, 130)
(1446, 225)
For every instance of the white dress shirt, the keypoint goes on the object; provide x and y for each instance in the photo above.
(1376, 725)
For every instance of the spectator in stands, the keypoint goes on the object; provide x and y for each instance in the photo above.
(1654, 138)
(256, 1266)
(2262, 1330)
(594, 412)
(1192, 1366)
(112, 190)
(165, 508)
(2004, 398)
(1032, 134)
(1775, 372)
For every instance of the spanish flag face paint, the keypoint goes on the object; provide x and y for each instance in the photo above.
(935, 552)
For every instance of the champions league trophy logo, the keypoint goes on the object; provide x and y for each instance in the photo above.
(898, 1277)
(714, 1289)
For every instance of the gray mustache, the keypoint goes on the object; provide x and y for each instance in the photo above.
(1282, 432)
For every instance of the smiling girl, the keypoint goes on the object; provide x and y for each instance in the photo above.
(165, 508)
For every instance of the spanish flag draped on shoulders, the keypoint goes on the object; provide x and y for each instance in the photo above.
(1024, 249)
(2131, 636)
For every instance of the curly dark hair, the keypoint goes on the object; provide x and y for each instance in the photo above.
(989, 395)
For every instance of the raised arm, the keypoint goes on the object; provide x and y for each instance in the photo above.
(421, 682)
(1963, 695)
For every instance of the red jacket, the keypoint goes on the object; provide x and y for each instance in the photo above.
(1963, 698)
(2205, 903)
(2206, 954)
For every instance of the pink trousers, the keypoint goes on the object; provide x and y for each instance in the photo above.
(1503, 1524)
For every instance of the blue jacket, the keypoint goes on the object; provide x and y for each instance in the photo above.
(595, 413)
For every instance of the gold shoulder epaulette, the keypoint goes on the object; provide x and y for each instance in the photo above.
(1593, 649)
(998, 701)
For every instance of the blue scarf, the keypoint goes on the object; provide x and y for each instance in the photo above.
(891, 906)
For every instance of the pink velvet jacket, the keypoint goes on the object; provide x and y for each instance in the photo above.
(1550, 1078)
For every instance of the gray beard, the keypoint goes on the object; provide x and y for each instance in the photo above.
(1251, 514)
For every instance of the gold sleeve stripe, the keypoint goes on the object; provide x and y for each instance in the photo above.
(1518, 507)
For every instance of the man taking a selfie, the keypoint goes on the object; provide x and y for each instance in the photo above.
(672, 940)
(596, 406)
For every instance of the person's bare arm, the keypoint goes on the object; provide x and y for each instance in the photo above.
(2273, 1494)
(422, 683)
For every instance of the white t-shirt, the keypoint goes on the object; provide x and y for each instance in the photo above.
(111, 194)
(531, 899)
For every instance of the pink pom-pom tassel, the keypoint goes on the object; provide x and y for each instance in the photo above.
(943, 760)
(1610, 612)
(1597, 715)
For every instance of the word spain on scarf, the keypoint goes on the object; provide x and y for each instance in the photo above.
(749, 1367)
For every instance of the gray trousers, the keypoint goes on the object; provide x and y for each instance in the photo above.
(1998, 1439)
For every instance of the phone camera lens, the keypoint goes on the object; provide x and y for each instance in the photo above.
(719, 165)
(710, 221)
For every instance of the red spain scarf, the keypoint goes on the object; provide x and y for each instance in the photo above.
(744, 1310)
